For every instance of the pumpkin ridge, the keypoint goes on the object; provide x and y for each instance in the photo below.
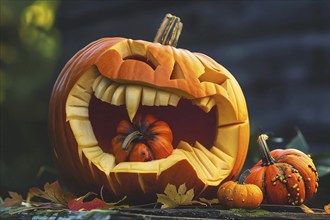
(264, 187)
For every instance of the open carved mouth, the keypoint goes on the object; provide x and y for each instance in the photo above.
(113, 102)
(96, 104)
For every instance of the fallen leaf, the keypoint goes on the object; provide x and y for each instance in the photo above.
(327, 209)
(209, 202)
(174, 198)
(114, 205)
(52, 192)
(15, 199)
(78, 204)
(306, 209)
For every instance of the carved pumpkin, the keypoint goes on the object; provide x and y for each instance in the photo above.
(284, 176)
(113, 78)
(237, 195)
(143, 140)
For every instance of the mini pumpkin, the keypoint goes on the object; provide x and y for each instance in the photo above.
(239, 195)
(284, 176)
(113, 79)
(143, 140)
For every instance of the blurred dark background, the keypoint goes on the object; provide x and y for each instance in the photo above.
(277, 50)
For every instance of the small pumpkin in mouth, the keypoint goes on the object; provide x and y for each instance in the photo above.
(284, 176)
(143, 140)
(114, 79)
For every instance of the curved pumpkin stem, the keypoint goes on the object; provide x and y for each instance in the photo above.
(169, 31)
(264, 152)
(242, 177)
(129, 138)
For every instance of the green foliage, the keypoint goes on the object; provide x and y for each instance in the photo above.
(30, 48)
(298, 142)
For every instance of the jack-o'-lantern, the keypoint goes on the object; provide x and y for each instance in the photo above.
(111, 80)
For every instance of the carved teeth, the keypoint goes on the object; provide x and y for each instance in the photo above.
(148, 96)
(205, 103)
(131, 95)
(162, 98)
(132, 98)
(118, 97)
(102, 86)
(174, 100)
(108, 93)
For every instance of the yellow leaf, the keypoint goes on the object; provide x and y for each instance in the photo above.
(173, 198)
(306, 209)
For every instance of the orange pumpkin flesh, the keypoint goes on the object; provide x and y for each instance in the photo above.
(284, 176)
(114, 79)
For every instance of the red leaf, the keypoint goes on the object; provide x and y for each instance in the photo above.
(79, 204)
(15, 199)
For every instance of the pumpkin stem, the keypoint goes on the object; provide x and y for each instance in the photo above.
(129, 138)
(169, 31)
(264, 152)
(242, 177)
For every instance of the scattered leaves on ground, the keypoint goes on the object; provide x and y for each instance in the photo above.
(78, 204)
(327, 209)
(15, 199)
(174, 198)
(52, 192)
(306, 209)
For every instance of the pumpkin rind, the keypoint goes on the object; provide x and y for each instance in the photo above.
(86, 169)
(290, 179)
(234, 195)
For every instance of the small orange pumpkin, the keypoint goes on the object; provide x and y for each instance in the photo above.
(143, 140)
(284, 176)
(237, 195)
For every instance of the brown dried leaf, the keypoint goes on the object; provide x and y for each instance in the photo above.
(53, 193)
(15, 199)
(327, 209)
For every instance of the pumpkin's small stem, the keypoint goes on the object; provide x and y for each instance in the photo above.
(169, 31)
(264, 152)
(242, 177)
(129, 138)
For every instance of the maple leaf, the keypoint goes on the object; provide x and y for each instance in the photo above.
(327, 209)
(78, 204)
(174, 198)
(52, 192)
(15, 199)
